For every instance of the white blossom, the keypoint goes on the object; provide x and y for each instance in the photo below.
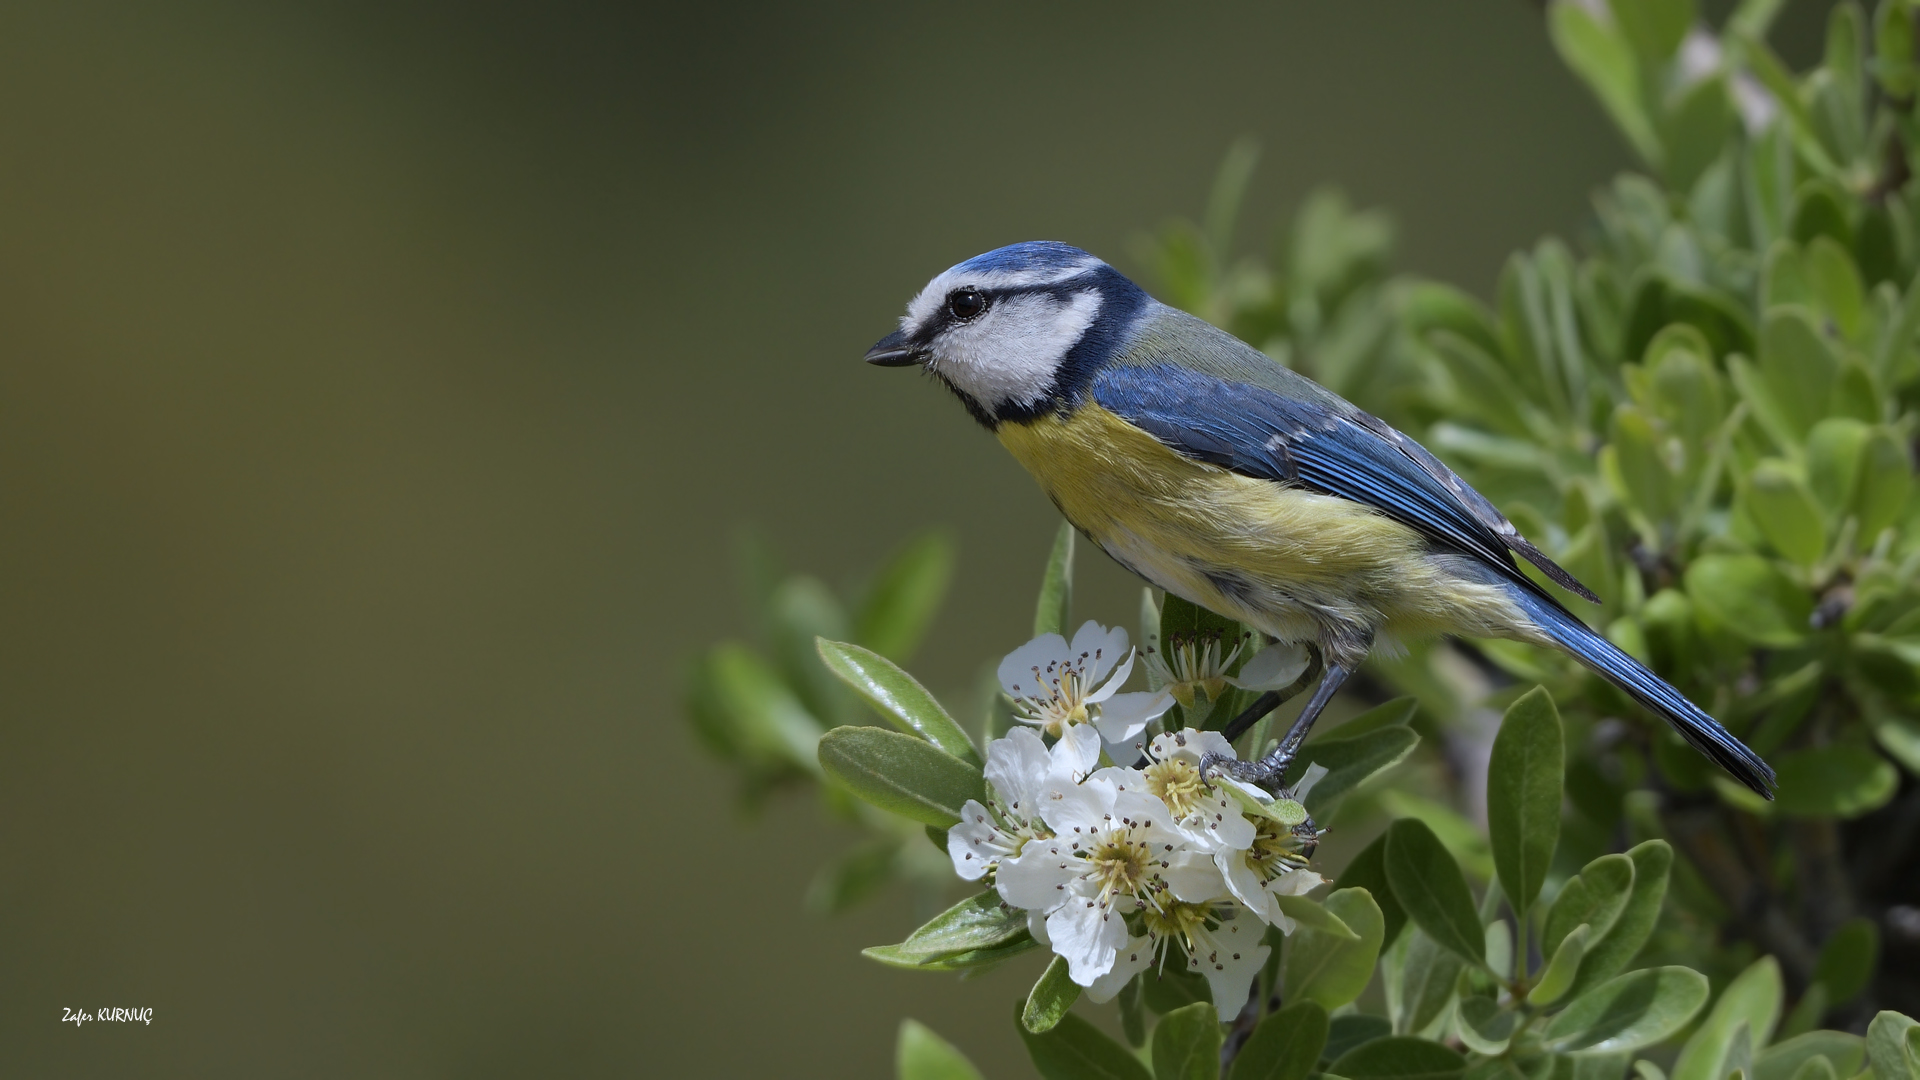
(1020, 771)
(1055, 685)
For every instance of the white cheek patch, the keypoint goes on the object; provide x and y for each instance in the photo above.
(1010, 354)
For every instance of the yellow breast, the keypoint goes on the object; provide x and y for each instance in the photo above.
(1292, 562)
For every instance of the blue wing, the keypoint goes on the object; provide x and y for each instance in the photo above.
(1258, 432)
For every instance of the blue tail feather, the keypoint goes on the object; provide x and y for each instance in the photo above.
(1701, 731)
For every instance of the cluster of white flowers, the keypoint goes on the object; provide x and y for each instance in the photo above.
(1116, 865)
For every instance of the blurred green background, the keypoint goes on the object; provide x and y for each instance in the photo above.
(379, 387)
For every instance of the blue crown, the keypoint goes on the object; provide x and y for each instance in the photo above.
(1029, 255)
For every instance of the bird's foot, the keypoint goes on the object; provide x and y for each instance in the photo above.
(1267, 774)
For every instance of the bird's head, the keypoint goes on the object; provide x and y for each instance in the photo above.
(1018, 331)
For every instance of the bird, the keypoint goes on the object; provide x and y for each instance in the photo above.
(1216, 473)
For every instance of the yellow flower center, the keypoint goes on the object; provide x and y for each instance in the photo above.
(1174, 920)
(1178, 783)
(1119, 867)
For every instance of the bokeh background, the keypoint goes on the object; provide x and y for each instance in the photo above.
(379, 388)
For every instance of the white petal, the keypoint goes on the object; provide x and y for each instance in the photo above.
(976, 842)
(1088, 937)
(1273, 668)
(1119, 679)
(1076, 754)
(1016, 671)
(1226, 826)
(1125, 715)
(1037, 926)
(1311, 777)
(1075, 812)
(1017, 767)
(1102, 648)
(1193, 877)
(1132, 959)
(1191, 745)
(1296, 882)
(1123, 779)
(1041, 877)
(1230, 957)
(1259, 795)
(1245, 884)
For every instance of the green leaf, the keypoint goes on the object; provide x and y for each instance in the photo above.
(1349, 763)
(1594, 897)
(1694, 126)
(1133, 1013)
(1655, 27)
(1186, 1044)
(1055, 605)
(1429, 982)
(1429, 885)
(1752, 999)
(1798, 366)
(1484, 1026)
(1368, 871)
(1630, 1012)
(1890, 1047)
(1841, 780)
(923, 1055)
(977, 930)
(1330, 970)
(1076, 1050)
(1052, 995)
(741, 708)
(1605, 60)
(1557, 979)
(1834, 450)
(1749, 597)
(901, 774)
(898, 696)
(1847, 960)
(1286, 1045)
(1610, 955)
(1313, 915)
(1634, 450)
(1173, 987)
(1399, 1057)
(1783, 507)
(1885, 483)
(1523, 796)
(1781, 1060)
(901, 602)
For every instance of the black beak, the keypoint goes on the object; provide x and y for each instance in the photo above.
(895, 350)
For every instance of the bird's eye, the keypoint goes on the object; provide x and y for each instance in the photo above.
(966, 303)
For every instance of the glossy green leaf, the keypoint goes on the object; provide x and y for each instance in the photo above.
(898, 696)
(1639, 462)
(1629, 1012)
(1285, 1046)
(1351, 1030)
(1783, 1059)
(1399, 1057)
(977, 929)
(1885, 483)
(1899, 737)
(1173, 987)
(1076, 1050)
(741, 708)
(1604, 59)
(922, 1055)
(1186, 1044)
(1835, 286)
(1654, 27)
(1055, 604)
(901, 602)
(1314, 915)
(1052, 995)
(801, 610)
(1783, 507)
(1523, 796)
(901, 773)
(1615, 949)
(1594, 897)
(1841, 780)
(1429, 885)
(1817, 1067)
(1847, 959)
(1558, 977)
(1330, 970)
(1133, 1013)
(1748, 596)
(1368, 870)
(1349, 763)
(1890, 1039)
(1752, 999)
(1694, 124)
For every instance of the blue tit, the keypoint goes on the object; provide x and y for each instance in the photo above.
(1217, 474)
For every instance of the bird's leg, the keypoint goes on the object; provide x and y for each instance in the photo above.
(1270, 772)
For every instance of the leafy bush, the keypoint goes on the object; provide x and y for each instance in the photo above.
(1706, 410)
